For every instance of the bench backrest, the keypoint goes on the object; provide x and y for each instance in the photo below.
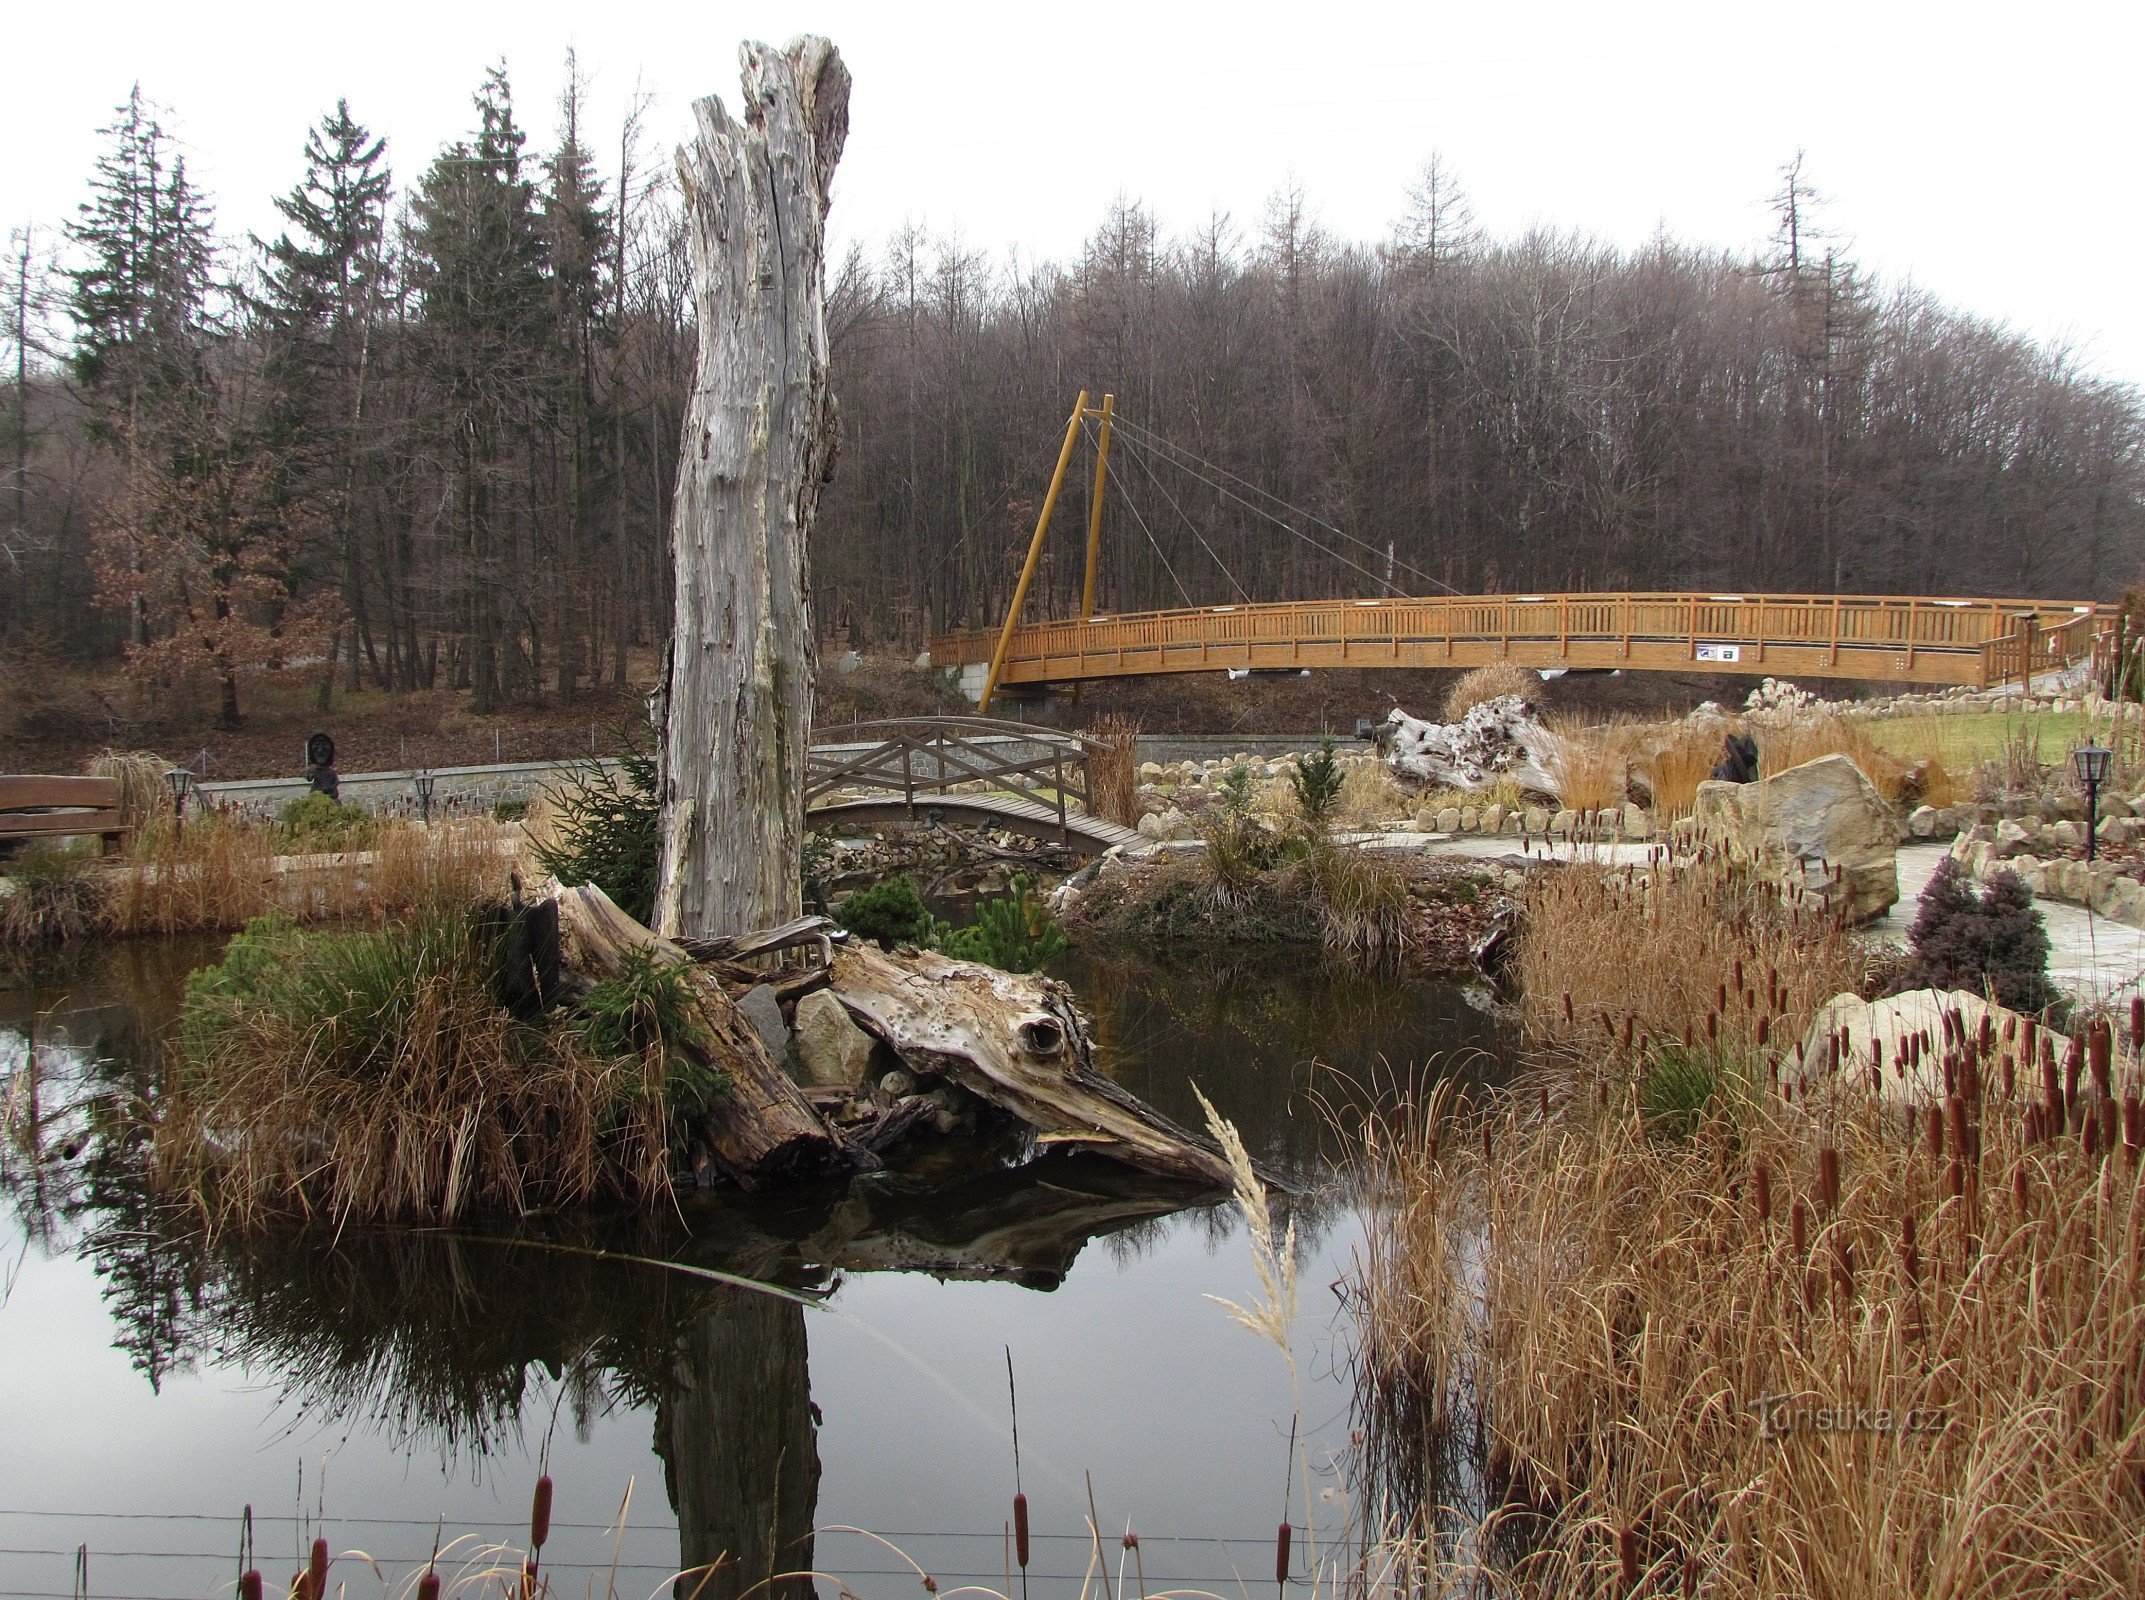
(87, 805)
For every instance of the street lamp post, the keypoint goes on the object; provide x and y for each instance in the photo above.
(2092, 762)
(424, 780)
(181, 783)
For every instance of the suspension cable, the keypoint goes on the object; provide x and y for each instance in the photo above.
(1184, 460)
(1132, 507)
(1139, 460)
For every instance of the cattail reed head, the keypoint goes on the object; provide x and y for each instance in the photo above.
(249, 1585)
(1828, 1177)
(1712, 1026)
(1765, 1031)
(1799, 1229)
(316, 1577)
(1281, 1543)
(1936, 1131)
(1020, 1529)
(1761, 1183)
(427, 1586)
(540, 1513)
(2137, 1022)
(1627, 1556)
(1567, 1007)
(2100, 1045)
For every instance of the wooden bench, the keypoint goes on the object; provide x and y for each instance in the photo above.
(35, 807)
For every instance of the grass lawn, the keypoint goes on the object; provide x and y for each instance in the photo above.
(1960, 744)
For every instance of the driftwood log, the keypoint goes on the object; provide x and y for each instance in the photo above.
(763, 1131)
(1016, 1042)
(1010, 1040)
(758, 441)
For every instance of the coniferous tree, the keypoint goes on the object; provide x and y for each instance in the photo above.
(477, 264)
(316, 315)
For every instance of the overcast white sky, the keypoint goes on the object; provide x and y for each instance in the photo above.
(1990, 152)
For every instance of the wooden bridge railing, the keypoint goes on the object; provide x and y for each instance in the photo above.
(1904, 639)
(909, 756)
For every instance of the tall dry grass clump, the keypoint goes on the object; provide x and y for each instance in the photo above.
(218, 874)
(1492, 682)
(1113, 768)
(1675, 758)
(1590, 763)
(1369, 794)
(377, 1075)
(1836, 1346)
(213, 875)
(1695, 951)
(143, 793)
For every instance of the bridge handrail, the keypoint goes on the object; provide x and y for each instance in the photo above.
(976, 752)
(988, 727)
(1845, 628)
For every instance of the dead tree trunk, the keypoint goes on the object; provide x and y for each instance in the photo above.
(758, 442)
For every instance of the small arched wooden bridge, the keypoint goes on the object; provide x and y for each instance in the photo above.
(1036, 781)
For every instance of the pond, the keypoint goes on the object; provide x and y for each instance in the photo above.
(378, 1387)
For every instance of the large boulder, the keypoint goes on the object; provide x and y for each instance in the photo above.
(1887, 1022)
(831, 1048)
(1500, 738)
(1821, 825)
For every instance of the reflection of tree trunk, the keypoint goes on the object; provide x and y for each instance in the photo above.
(740, 1450)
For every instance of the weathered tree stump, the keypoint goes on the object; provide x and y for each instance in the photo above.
(758, 441)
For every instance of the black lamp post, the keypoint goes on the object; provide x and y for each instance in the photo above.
(424, 780)
(181, 783)
(2092, 762)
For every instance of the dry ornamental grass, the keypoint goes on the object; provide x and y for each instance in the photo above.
(1727, 1338)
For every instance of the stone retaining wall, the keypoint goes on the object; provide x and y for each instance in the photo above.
(2039, 852)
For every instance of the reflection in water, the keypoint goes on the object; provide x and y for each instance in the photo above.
(464, 1344)
(739, 1438)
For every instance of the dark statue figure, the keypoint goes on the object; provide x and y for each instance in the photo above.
(1740, 762)
(320, 766)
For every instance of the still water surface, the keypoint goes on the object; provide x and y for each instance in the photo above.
(379, 1386)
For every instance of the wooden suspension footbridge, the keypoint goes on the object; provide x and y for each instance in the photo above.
(1893, 639)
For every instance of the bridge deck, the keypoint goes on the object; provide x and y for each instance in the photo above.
(1089, 834)
(1875, 638)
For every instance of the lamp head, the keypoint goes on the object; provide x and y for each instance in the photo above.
(180, 782)
(424, 780)
(2092, 762)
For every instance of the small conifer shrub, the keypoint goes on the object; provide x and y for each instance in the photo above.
(1992, 942)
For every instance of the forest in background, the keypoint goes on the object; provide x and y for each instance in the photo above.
(425, 437)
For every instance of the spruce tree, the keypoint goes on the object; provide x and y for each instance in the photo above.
(477, 262)
(140, 297)
(322, 288)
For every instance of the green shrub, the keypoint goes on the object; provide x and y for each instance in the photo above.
(647, 1011)
(888, 914)
(509, 810)
(1317, 781)
(608, 830)
(1681, 1085)
(1015, 933)
(319, 824)
(53, 895)
(1991, 943)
